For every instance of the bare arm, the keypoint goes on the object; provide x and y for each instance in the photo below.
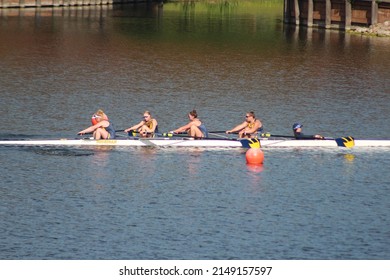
(94, 127)
(187, 126)
(237, 128)
(134, 127)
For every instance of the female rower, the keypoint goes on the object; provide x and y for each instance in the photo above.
(195, 128)
(250, 128)
(297, 128)
(147, 127)
(103, 128)
(99, 113)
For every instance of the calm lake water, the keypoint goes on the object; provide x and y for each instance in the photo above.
(60, 65)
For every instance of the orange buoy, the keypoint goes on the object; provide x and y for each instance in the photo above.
(254, 156)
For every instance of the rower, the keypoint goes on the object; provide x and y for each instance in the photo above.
(250, 128)
(195, 128)
(147, 127)
(297, 128)
(102, 129)
(94, 116)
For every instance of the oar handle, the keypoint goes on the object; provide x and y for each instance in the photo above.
(218, 131)
(222, 131)
(172, 134)
(135, 132)
(267, 134)
(118, 130)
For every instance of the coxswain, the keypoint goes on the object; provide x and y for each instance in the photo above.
(297, 128)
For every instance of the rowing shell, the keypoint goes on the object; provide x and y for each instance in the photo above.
(190, 142)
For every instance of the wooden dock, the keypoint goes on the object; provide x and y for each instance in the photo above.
(338, 14)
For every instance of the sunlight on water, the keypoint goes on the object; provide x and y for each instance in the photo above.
(60, 65)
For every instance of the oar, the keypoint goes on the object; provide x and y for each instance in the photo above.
(347, 141)
(181, 134)
(129, 133)
(219, 135)
(218, 131)
(118, 130)
(222, 131)
(132, 133)
(172, 134)
(135, 132)
(267, 134)
(250, 143)
(165, 134)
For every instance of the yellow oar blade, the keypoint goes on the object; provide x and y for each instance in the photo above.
(250, 143)
(347, 141)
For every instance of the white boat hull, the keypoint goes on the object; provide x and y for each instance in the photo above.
(190, 142)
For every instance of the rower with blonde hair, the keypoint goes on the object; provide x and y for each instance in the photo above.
(101, 127)
(147, 127)
(101, 113)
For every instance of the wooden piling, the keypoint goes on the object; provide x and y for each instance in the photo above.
(337, 14)
(310, 13)
(374, 12)
(328, 14)
(297, 12)
(348, 15)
